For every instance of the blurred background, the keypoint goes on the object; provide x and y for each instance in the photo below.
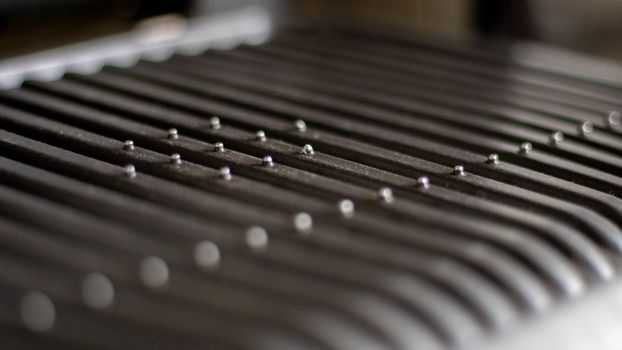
(589, 26)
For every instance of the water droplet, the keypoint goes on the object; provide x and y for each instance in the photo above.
(346, 208)
(128, 145)
(214, 123)
(154, 272)
(423, 182)
(37, 311)
(219, 147)
(586, 128)
(301, 126)
(206, 254)
(525, 147)
(257, 238)
(129, 170)
(303, 223)
(385, 194)
(459, 170)
(307, 150)
(175, 159)
(556, 137)
(97, 291)
(260, 136)
(267, 161)
(172, 134)
(493, 158)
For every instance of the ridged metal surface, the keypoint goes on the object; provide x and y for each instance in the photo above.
(445, 195)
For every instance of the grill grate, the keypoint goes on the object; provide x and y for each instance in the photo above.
(416, 196)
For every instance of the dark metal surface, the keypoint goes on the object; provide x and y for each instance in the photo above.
(416, 197)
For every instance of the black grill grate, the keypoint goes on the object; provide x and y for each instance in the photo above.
(483, 192)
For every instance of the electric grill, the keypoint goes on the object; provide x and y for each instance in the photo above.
(224, 184)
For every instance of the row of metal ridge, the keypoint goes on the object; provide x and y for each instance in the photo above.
(326, 190)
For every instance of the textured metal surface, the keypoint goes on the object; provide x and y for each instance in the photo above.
(327, 190)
